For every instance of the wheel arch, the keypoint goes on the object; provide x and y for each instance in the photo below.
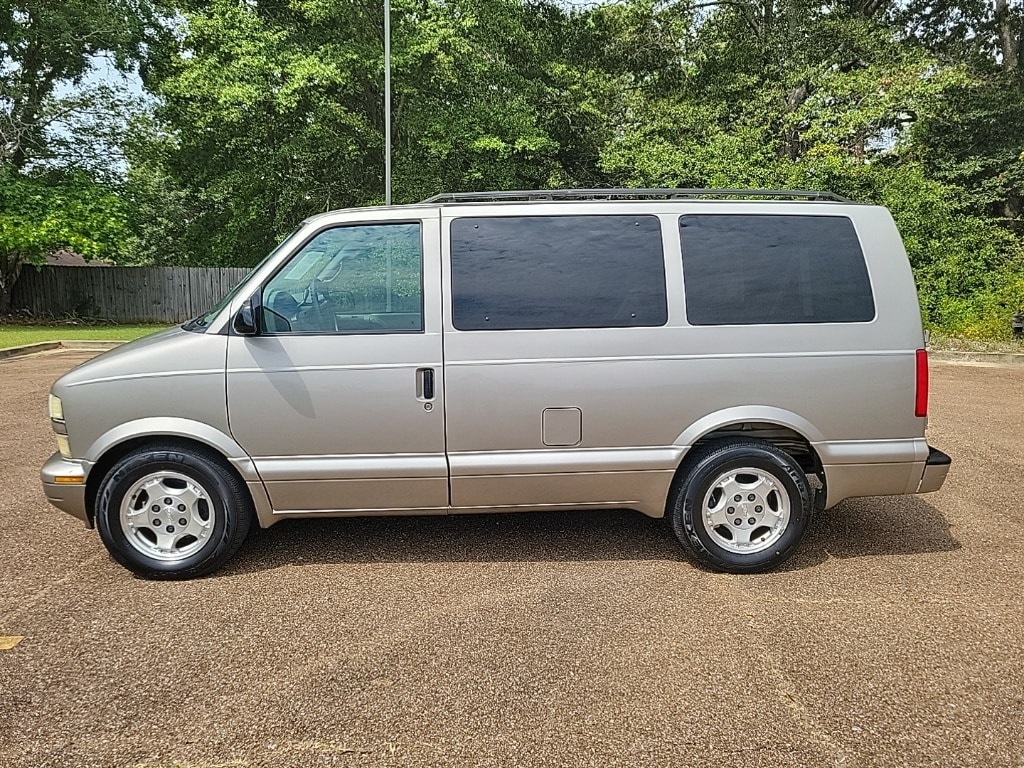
(783, 429)
(132, 436)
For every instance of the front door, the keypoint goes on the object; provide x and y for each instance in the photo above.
(339, 400)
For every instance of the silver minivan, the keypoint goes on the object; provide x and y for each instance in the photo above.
(734, 360)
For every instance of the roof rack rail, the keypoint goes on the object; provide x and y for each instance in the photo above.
(627, 193)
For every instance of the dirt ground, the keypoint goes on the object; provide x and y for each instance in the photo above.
(894, 638)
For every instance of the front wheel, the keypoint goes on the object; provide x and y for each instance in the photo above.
(172, 512)
(741, 505)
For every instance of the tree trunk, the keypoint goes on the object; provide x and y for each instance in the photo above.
(10, 269)
(1009, 45)
(868, 8)
(1012, 207)
(792, 144)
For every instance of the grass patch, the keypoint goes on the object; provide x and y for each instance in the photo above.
(17, 335)
(939, 342)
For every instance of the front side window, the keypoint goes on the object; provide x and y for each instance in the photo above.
(351, 279)
(746, 269)
(531, 272)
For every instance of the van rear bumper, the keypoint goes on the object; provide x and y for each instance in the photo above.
(935, 469)
(886, 468)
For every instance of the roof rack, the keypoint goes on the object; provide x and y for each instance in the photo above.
(618, 193)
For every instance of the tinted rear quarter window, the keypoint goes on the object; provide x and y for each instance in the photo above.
(531, 272)
(773, 269)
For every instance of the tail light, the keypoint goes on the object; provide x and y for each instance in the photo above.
(921, 388)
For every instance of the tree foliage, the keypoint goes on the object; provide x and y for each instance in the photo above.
(47, 212)
(268, 111)
(59, 144)
(45, 45)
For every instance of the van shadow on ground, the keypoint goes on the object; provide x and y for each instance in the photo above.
(880, 526)
(856, 528)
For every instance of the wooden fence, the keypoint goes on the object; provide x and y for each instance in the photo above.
(123, 294)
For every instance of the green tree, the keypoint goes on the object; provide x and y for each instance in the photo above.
(270, 111)
(44, 45)
(56, 140)
(55, 210)
(267, 114)
(786, 94)
(972, 138)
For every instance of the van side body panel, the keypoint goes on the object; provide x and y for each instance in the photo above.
(647, 394)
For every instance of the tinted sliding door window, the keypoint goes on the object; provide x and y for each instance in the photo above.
(350, 279)
(754, 270)
(529, 272)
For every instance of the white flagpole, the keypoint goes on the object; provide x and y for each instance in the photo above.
(387, 102)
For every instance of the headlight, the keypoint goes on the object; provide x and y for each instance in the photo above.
(57, 422)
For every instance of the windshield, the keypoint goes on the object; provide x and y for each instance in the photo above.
(199, 324)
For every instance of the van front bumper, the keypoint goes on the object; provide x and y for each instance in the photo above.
(64, 486)
(935, 469)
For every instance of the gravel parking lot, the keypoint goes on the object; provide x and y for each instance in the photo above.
(895, 637)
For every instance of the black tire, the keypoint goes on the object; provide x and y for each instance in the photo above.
(221, 515)
(771, 539)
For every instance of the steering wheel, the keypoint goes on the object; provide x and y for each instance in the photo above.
(316, 295)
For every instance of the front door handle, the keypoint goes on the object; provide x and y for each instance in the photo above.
(425, 383)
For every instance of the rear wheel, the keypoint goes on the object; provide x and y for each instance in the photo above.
(741, 505)
(172, 512)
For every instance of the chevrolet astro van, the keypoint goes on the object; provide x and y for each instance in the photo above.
(735, 360)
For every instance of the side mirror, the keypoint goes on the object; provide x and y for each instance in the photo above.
(247, 321)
